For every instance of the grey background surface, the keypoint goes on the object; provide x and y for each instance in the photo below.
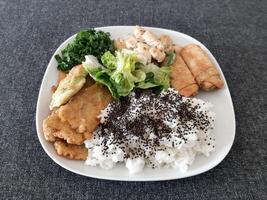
(30, 31)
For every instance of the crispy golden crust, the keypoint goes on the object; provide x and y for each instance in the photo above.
(69, 86)
(176, 48)
(204, 71)
(75, 121)
(190, 90)
(181, 78)
(61, 76)
(54, 128)
(89, 82)
(71, 151)
(81, 111)
(48, 129)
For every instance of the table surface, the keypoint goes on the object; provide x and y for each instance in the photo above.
(30, 31)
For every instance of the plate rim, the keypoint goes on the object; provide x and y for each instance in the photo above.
(65, 42)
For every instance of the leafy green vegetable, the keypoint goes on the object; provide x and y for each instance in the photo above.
(156, 76)
(163, 77)
(170, 57)
(99, 73)
(87, 42)
(102, 77)
(109, 60)
(124, 71)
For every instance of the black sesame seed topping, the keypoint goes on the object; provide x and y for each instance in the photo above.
(137, 124)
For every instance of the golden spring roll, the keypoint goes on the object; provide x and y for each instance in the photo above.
(181, 77)
(202, 68)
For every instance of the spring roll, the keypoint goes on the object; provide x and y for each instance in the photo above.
(202, 68)
(181, 77)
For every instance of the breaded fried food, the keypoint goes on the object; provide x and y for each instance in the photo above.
(61, 76)
(75, 121)
(69, 86)
(71, 151)
(181, 77)
(176, 48)
(54, 128)
(82, 110)
(202, 68)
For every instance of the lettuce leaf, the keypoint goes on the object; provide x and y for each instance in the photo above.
(170, 57)
(158, 76)
(124, 71)
(162, 77)
(109, 60)
(102, 77)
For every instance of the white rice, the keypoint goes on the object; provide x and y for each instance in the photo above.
(175, 152)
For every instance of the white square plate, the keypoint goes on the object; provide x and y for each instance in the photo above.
(224, 128)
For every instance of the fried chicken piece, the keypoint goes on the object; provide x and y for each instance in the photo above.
(82, 111)
(89, 82)
(71, 151)
(69, 86)
(54, 128)
(48, 129)
(61, 76)
(75, 121)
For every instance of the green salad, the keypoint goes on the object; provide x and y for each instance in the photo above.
(86, 42)
(121, 71)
